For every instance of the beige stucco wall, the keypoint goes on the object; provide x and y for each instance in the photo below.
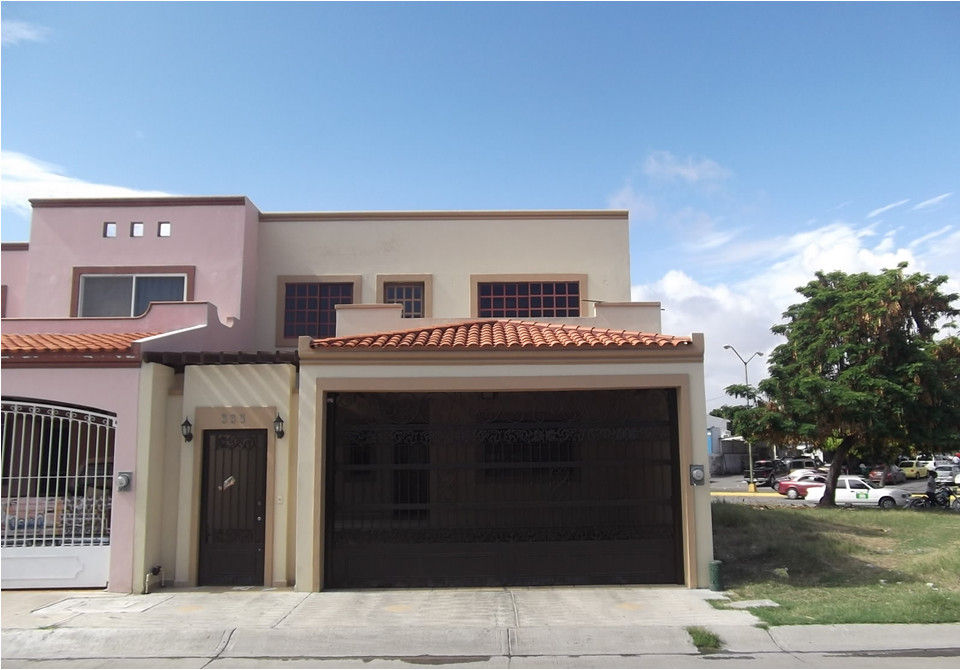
(217, 397)
(316, 380)
(155, 383)
(171, 479)
(450, 249)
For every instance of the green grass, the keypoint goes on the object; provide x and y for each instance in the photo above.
(705, 641)
(841, 565)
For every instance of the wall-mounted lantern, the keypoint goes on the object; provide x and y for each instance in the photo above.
(186, 429)
(278, 426)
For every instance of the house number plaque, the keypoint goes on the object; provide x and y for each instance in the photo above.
(233, 418)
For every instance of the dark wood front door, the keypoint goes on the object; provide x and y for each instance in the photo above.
(233, 507)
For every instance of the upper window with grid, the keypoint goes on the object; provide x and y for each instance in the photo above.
(528, 299)
(310, 308)
(408, 294)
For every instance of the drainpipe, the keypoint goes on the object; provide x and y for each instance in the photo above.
(153, 572)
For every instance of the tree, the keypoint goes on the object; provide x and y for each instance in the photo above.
(861, 366)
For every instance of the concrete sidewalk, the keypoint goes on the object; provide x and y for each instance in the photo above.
(496, 627)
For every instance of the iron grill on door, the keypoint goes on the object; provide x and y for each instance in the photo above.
(232, 507)
(510, 488)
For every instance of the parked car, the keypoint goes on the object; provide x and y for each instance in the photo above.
(913, 469)
(947, 474)
(794, 474)
(853, 490)
(801, 464)
(894, 475)
(797, 487)
(766, 472)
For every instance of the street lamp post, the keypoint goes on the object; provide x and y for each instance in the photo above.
(751, 485)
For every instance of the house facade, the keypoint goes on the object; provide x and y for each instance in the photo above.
(352, 399)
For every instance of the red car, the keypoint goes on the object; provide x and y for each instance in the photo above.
(797, 488)
(894, 475)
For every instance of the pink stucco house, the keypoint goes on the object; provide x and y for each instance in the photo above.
(198, 390)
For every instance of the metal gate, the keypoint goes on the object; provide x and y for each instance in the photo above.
(510, 488)
(57, 476)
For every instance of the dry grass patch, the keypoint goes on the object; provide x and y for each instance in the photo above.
(841, 565)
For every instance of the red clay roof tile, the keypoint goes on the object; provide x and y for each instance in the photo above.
(500, 334)
(69, 342)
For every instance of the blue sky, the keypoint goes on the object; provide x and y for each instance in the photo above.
(753, 143)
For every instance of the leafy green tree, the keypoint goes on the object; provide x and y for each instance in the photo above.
(860, 366)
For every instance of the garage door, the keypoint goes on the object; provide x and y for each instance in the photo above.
(508, 488)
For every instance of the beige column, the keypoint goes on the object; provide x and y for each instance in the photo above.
(310, 491)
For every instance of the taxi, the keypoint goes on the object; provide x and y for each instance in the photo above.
(913, 469)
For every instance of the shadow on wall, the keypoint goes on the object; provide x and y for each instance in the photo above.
(240, 385)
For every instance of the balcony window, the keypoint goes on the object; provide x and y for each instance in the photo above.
(127, 295)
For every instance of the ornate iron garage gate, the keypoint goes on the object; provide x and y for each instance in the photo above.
(57, 482)
(518, 488)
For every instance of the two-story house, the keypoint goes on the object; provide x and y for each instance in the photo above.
(342, 399)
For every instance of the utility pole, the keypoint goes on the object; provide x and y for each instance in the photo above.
(751, 485)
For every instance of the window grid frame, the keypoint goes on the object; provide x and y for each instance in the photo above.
(320, 320)
(528, 298)
(414, 306)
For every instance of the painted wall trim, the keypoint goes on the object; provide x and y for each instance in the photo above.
(467, 215)
(157, 201)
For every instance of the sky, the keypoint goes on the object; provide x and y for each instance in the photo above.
(753, 144)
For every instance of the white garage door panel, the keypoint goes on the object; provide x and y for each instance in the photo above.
(54, 567)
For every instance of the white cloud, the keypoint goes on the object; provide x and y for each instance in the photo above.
(881, 210)
(641, 207)
(15, 32)
(929, 236)
(664, 165)
(700, 231)
(741, 312)
(23, 177)
(932, 201)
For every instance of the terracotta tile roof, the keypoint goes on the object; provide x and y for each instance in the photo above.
(503, 334)
(62, 343)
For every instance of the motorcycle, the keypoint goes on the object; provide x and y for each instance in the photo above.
(945, 497)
